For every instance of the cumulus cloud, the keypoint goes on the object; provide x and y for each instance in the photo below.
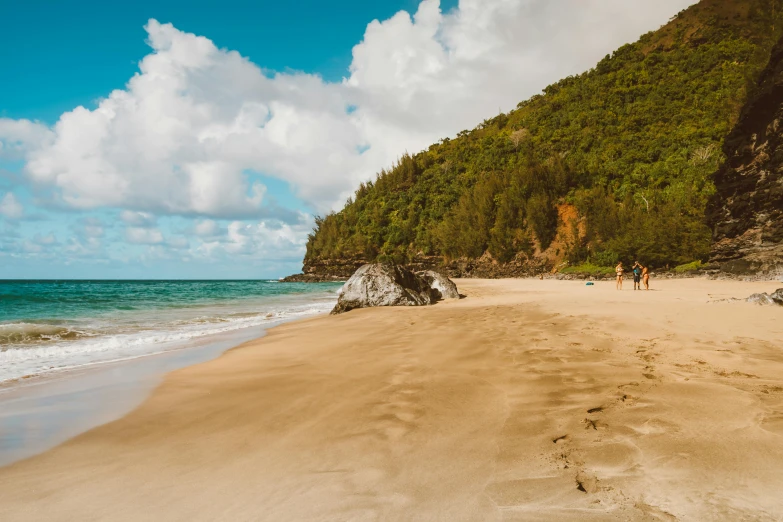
(87, 248)
(206, 228)
(17, 137)
(143, 236)
(178, 243)
(31, 247)
(187, 131)
(433, 74)
(10, 206)
(264, 240)
(47, 240)
(91, 227)
(138, 219)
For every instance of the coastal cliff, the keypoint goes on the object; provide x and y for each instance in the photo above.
(617, 163)
(747, 212)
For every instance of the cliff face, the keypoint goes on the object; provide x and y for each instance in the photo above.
(746, 213)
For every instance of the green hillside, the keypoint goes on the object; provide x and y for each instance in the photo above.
(629, 147)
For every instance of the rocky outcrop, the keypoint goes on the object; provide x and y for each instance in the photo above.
(747, 212)
(337, 269)
(313, 278)
(486, 267)
(443, 285)
(319, 270)
(775, 298)
(383, 284)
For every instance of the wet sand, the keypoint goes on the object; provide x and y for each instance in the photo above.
(528, 400)
(43, 411)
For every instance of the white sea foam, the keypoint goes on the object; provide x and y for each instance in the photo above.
(97, 345)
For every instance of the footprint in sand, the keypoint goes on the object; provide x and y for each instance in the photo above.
(586, 482)
(772, 422)
(612, 458)
(653, 512)
(654, 427)
(397, 413)
(593, 424)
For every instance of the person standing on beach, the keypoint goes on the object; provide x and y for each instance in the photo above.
(646, 277)
(619, 270)
(637, 276)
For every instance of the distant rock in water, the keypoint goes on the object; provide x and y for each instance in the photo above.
(384, 284)
(312, 278)
(442, 284)
(775, 298)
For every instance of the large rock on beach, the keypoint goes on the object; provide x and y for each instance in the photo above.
(775, 298)
(440, 283)
(384, 284)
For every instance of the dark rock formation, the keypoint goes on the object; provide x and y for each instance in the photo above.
(487, 268)
(747, 212)
(775, 298)
(338, 269)
(443, 285)
(318, 270)
(384, 285)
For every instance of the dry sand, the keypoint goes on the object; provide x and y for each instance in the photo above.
(529, 400)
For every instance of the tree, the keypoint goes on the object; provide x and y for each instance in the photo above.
(518, 136)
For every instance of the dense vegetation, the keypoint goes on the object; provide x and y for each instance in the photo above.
(630, 145)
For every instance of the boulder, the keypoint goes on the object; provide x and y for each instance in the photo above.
(384, 284)
(775, 298)
(440, 283)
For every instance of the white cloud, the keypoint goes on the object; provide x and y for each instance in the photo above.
(17, 137)
(89, 248)
(183, 134)
(264, 240)
(178, 243)
(432, 75)
(143, 236)
(30, 247)
(206, 228)
(10, 206)
(92, 227)
(138, 219)
(47, 240)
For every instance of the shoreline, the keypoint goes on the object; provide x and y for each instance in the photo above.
(41, 411)
(528, 399)
(39, 414)
(52, 327)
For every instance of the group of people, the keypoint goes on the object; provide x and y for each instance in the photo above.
(641, 274)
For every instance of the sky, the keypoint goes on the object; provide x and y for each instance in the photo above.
(174, 139)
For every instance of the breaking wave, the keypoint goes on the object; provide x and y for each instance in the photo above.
(41, 346)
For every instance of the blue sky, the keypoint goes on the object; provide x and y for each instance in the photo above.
(89, 48)
(197, 139)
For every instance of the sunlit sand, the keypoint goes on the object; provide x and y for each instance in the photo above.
(527, 400)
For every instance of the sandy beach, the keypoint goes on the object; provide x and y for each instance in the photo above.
(527, 400)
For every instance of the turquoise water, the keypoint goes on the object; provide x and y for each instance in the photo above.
(48, 326)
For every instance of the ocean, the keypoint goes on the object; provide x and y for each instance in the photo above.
(51, 326)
